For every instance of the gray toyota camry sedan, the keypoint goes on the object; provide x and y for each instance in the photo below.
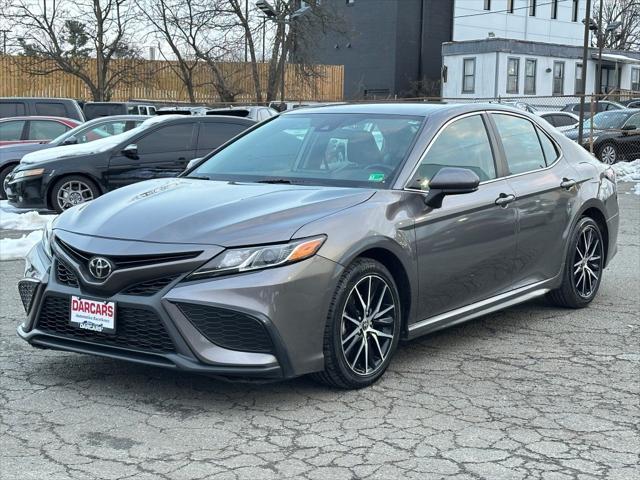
(315, 241)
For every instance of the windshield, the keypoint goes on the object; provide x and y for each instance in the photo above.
(607, 120)
(318, 149)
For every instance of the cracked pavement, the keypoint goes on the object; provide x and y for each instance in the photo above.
(533, 392)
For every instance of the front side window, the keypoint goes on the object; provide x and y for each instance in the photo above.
(468, 75)
(11, 131)
(46, 130)
(563, 121)
(530, 77)
(558, 78)
(513, 68)
(336, 149)
(172, 138)
(521, 143)
(634, 121)
(462, 144)
(635, 79)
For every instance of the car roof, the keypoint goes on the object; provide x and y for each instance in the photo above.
(116, 118)
(153, 120)
(36, 98)
(41, 117)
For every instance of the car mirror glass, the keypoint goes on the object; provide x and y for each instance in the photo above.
(72, 140)
(131, 150)
(193, 163)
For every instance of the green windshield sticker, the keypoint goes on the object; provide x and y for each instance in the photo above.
(376, 177)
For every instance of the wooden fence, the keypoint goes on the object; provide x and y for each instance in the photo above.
(156, 80)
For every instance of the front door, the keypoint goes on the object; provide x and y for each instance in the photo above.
(466, 249)
(163, 152)
(545, 187)
(630, 139)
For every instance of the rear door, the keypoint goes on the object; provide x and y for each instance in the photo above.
(466, 249)
(213, 134)
(545, 186)
(162, 152)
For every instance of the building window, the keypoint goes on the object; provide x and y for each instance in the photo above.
(635, 79)
(513, 67)
(554, 9)
(558, 78)
(468, 75)
(532, 8)
(578, 86)
(509, 6)
(487, 4)
(530, 76)
(574, 11)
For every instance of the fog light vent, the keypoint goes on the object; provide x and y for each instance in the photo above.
(27, 289)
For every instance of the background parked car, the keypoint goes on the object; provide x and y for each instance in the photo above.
(56, 107)
(601, 106)
(160, 147)
(561, 120)
(33, 129)
(11, 155)
(257, 113)
(520, 106)
(182, 111)
(616, 135)
(105, 109)
(633, 103)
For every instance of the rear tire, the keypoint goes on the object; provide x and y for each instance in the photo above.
(3, 174)
(72, 190)
(363, 326)
(609, 153)
(583, 267)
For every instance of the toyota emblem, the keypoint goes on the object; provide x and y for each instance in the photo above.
(100, 267)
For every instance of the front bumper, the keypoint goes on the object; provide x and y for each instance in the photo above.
(290, 303)
(28, 192)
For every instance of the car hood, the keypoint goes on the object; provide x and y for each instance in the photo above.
(182, 210)
(17, 151)
(64, 151)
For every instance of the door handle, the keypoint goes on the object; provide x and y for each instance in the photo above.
(568, 183)
(503, 200)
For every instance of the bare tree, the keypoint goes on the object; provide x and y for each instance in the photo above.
(67, 36)
(625, 16)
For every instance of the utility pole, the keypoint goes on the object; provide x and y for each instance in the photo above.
(600, 45)
(246, 40)
(585, 59)
(4, 41)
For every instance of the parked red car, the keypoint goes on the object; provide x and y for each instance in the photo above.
(33, 129)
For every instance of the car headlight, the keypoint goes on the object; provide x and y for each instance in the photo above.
(28, 173)
(47, 235)
(239, 260)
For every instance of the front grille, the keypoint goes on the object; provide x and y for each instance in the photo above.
(65, 276)
(125, 261)
(228, 328)
(150, 287)
(27, 289)
(136, 328)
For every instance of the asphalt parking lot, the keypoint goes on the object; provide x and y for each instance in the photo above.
(533, 392)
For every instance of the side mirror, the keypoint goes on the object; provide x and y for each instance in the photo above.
(450, 181)
(192, 163)
(629, 128)
(131, 150)
(70, 141)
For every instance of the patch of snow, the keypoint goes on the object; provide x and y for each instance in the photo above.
(636, 189)
(16, 248)
(24, 221)
(627, 171)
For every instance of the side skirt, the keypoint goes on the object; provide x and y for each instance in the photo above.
(478, 309)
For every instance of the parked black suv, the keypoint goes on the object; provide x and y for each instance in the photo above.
(106, 109)
(53, 107)
(160, 147)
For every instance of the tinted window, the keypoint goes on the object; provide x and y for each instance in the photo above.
(11, 130)
(172, 138)
(563, 121)
(55, 109)
(104, 110)
(212, 135)
(548, 148)
(520, 141)
(45, 130)
(463, 144)
(634, 120)
(11, 109)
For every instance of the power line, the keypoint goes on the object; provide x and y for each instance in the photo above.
(508, 10)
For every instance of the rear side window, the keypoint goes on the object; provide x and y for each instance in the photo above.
(11, 109)
(563, 121)
(548, 148)
(45, 130)
(212, 135)
(11, 131)
(521, 144)
(54, 109)
(462, 144)
(172, 138)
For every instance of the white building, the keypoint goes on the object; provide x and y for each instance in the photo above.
(515, 48)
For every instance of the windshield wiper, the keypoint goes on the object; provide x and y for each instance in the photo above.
(275, 180)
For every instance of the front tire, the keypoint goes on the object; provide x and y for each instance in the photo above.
(363, 326)
(72, 190)
(608, 153)
(3, 174)
(583, 267)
